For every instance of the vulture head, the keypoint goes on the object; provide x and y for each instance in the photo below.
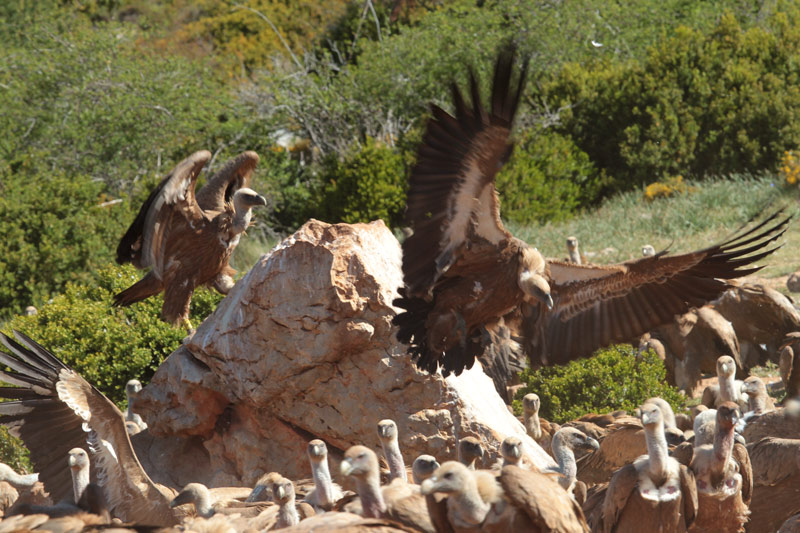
(648, 250)
(359, 462)
(575, 440)
(572, 243)
(727, 415)
(511, 450)
(191, 493)
(651, 415)
(424, 466)
(283, 491)
(754, 386)
(78, 459)
(726, 366)
(530, 403)
(133, 387)
(470, 450)
(450, 478)
(387, 430)
(246, 198)
(531, 277)
(317, 451)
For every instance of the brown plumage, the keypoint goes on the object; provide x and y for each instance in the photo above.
(727, 388)
(621, 446)
(348, 523)
(758, 401)
(776, 483)
(397, 501)
(463, 270)
(537, 428)
(783, 423)
(52, 409)
(792, 525)
(517, 500)
(724, 478)
(186, 239)
(206, 505)
(761, 316)
(789, 364)
(654, 493)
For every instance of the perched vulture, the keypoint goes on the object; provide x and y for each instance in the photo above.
(185, 238)
(53, 409)
(464, 272)
(776, 483)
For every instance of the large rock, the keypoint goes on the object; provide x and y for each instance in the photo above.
(302, 348)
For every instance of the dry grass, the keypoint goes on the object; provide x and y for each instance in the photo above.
(617, 230)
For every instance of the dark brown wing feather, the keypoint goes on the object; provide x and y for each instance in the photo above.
(452, 184)
(52, 396)
(177, 188)
(221, 187)
(637, 296)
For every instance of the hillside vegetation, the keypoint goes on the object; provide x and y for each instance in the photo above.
(668, 122)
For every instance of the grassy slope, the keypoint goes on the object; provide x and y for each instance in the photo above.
(681, 223)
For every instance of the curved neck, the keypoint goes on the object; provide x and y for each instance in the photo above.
(287, 514)
(241, 217)
(80, 479)
(532, 424)
(727, 389)
(723, 447)
(756, 401)
(565, 458)
(369, 490)
(471, 507)
(322, 482)
(657, 452)
(397, 468)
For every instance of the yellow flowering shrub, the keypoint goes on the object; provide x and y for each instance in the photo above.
(790, 167)
(669, 187)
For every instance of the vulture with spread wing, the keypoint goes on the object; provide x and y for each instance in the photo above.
(185, 238)
(465, 274)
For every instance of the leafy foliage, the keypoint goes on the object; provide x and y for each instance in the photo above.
(54, 233)
(700, 103)
(547, 178)
(612, 379)
(108, 345)
(369, 184)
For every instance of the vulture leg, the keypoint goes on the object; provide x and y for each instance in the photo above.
(144, 288)
(177, 298)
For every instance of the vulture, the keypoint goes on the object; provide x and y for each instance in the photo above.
(538, 429)
(387, 434)
(325, 492)
(758, 401)
(789, 363)
(776, 483)
(464, 272)
(727, 389)
(54, 410)
(655, 492)
(423, 467)
(187, 238)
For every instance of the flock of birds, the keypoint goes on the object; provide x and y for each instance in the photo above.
(471, 292)
(712, 470)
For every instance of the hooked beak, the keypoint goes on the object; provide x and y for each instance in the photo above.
(256, 494)
(346, 467)
(280, 492)
(592, 443)
(260, 200)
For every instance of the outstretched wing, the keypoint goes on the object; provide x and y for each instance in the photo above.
(597, 306)
(451, 194)
(53, 410)
(221, 187)
(142, 243)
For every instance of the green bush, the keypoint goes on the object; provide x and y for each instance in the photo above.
(700, 103)
(13, 452)
(53, 233)
(547, 178)
(612, 379)
(368, 184)
(109, 345)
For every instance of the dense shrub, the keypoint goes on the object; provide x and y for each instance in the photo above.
(612, 379)
(13, 452)
(701, 103)
(108, 345)
(54, 231)
(368, 184)
(547, 178)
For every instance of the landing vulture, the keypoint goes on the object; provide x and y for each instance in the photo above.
(185, 238)
(464, 273)
(53, 409)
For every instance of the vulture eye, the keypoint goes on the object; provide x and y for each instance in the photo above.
(448, 475)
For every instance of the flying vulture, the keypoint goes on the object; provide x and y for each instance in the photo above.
(465, 275)
(185, 238)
